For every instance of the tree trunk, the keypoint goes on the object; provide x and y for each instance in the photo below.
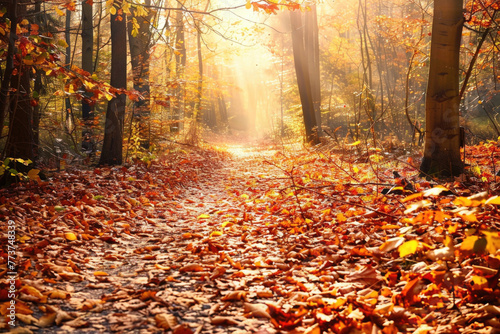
(442, 136)
(112, 146)
(20, 142)
(180, 64)
(9, 65)
(303, 77)
(139, 41)
(312, 53)
(87, 65)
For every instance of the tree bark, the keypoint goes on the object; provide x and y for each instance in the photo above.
(112, 147)
(303, 77)
(139, 54)
(87, 61)
(20, 142)
(180, 64)
(9, 65)
(312, 53)
(442, 136)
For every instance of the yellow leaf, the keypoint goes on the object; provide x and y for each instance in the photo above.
(408, 248)
(109, 96)
(341, 218)
(473, 244)
(492, 241)
(412, 197)
(479, 282)
(462, 201)
(70, 236)
(355, 169)
(101, 273)
(112, 10)
(58, 11)
(228, 224)
(495, 200)
(62, 43)
(356, 143)
(248, 5)
(203, 216)
(245, 196)
(216, 234)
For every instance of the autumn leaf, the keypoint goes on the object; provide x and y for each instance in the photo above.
(256, 310)
(191, 267)
(408, 248)
(235, 295)
(166, 321)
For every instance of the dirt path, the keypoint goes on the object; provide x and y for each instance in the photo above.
(154, 263)
(204, 242)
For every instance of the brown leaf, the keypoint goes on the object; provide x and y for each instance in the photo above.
(367, 275)
(224, 321)
(166, 321)
(235, 295)
(62, 316)
(47, 320)
(256, 310)
(182, 329)
(218, 272)
(58, 294)
(93, 305)
(71, 277)
(191, 267)
(78, 323)
(27, 318)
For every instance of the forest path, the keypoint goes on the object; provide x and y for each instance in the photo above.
(132, 250)
(254, 241)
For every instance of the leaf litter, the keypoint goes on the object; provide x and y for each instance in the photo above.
(254, 241)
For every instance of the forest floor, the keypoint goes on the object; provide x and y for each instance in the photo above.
(235, 239)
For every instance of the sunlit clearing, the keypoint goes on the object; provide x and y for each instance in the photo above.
(252, 75)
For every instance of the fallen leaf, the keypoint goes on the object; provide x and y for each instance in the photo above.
(166, 321)
(408, 248)
(224, 321)
(256, 310)
(191, 267)
(47, 320)
(235, 295)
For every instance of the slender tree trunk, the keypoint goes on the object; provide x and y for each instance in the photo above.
(303, 77)
(112, 147)
(442, 136)
(199, 92)
(140, 40)
(180, 64)
(312, 54)
(87, 65)
(68, 124)
(9, 65)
